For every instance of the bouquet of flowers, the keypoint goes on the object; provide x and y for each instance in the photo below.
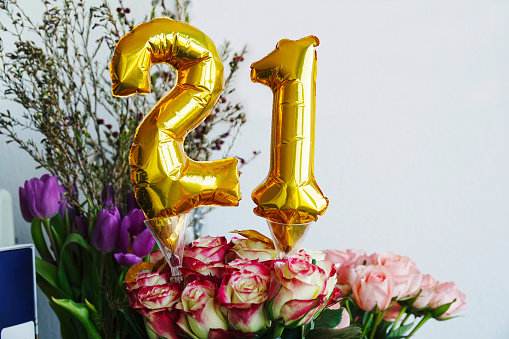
(238, 289)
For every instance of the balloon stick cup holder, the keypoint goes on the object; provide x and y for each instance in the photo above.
(288, 238)
(170, 235)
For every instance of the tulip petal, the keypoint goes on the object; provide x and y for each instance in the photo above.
(127, 260)
(123, 238)
(31, 190)
(50, 198)
(137, 219)
(143, 244)
(23, 205)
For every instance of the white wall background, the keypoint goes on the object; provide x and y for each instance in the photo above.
(412, 136)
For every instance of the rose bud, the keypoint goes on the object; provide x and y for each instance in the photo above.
(427, 292)
(449, 293)
(107, 228)
(200, 310)
(243, 294)
(135, 240)
(40, 198)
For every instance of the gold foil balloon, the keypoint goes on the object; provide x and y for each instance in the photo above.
(166, 182)
(290, 194)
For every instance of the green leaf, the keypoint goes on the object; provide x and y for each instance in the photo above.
(91, 287)
(68, 271)
(329, 318)
(57, 223)
(38, 238)
(437, 312)
(350, 332)
(81, 313)
(70, 328)
(58, 240)
(400, 331)
(47, 279)
(93, 315)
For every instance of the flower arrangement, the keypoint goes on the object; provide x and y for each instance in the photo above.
(238, 289)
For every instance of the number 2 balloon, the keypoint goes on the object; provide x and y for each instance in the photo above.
(166, 181)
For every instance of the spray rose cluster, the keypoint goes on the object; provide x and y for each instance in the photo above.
(390, 289)
(234, 289)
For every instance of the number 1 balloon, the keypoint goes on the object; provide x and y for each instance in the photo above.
(166, 182)
(290, 194)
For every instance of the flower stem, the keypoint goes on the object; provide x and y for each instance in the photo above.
(404, 320)
(366, 325)
(278, 331)
(347, 305)
(378, 319)
(53, 245)
(423, 320)
(393, 327)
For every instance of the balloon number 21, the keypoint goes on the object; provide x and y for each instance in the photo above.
(166, 182)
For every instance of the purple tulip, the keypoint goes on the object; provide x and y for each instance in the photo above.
(107, 228)
(80, 226)
(40, 198)
(131, 202)
(135, 241)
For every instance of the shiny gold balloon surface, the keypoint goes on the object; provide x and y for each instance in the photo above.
(290, 194)
(166, 182)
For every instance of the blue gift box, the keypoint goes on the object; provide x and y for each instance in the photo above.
(18, 304)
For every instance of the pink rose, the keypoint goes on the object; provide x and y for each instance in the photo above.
(371, 286)
(152, 296)
(243, 294)
(299, 290)
(252, 250)
(446, 293)
(427, 292)
(208, 249)
(193, 269)
(200, 310)
(405, 274)
(347, 260)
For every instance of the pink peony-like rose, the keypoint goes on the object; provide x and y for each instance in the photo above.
(405, 274)
(371, 286)
(193, 269)
(446, 293)
(427, 292)
(152, 296)
(299, 289)
(252, 250)
(208, 249)
(200, 310)
(243, 294)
